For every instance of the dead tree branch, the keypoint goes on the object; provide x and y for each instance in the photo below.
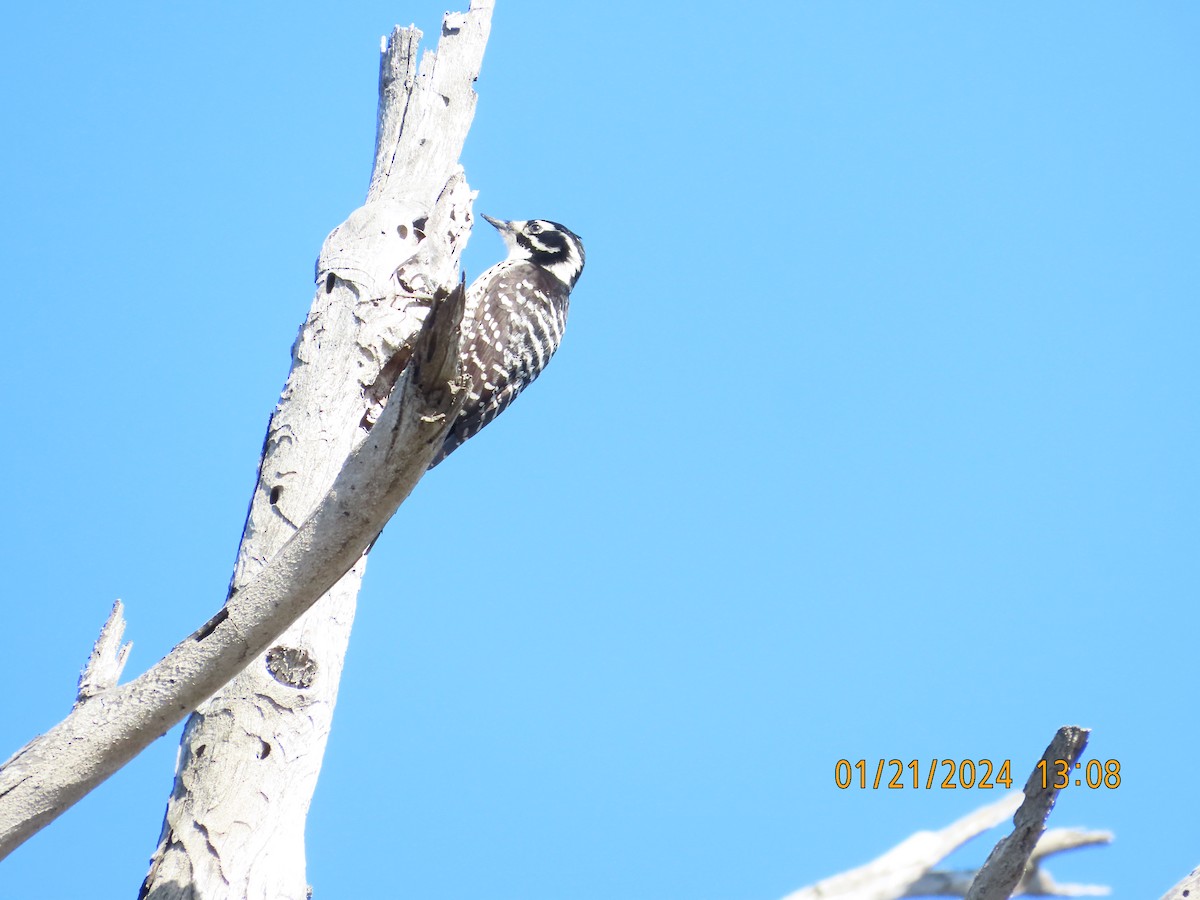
(907, 870)
(1007, 862)
(111, 724)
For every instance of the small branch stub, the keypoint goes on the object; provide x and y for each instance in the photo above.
(108, 657)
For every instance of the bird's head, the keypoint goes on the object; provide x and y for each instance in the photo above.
(551, 246)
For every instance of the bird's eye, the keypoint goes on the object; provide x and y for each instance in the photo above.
(534, 227)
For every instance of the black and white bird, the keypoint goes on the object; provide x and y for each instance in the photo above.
(514, 319)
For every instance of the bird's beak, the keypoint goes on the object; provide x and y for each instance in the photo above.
(499, 224)
(507, 231)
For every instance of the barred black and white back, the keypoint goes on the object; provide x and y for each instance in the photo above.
(514, 320)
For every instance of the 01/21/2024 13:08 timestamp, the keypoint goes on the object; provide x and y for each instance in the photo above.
(981, 774)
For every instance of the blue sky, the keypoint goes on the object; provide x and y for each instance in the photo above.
(874, 431)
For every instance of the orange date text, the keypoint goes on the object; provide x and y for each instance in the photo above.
(916, 774)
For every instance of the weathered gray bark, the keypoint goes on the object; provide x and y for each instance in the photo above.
(1006, 864)
(250, 756)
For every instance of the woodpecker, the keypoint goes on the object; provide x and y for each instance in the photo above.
(514, 319)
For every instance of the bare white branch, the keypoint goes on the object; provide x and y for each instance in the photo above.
(891, 875)
(1036, 881)
(1059, 840)
(105, 731)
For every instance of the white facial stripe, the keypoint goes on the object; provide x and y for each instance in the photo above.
(567, 269)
